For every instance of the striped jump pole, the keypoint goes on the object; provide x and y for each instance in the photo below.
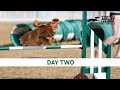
(39, 47)
(99, 72)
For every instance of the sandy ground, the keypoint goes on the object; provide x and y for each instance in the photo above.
(43, 72)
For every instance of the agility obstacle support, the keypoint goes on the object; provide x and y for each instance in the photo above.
(87, 32)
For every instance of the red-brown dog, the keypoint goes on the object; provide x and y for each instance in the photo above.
(42, 35)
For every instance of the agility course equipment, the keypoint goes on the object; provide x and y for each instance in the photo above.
(87, 32)
(77, 25)
(68, 30)
(107, 50)
(18, 31)
(39, 47)
(59, 34)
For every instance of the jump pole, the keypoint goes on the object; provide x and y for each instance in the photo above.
(39, 47)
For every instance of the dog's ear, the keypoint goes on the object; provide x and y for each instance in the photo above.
(36, 23)
(55, 20)
(42, 25)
